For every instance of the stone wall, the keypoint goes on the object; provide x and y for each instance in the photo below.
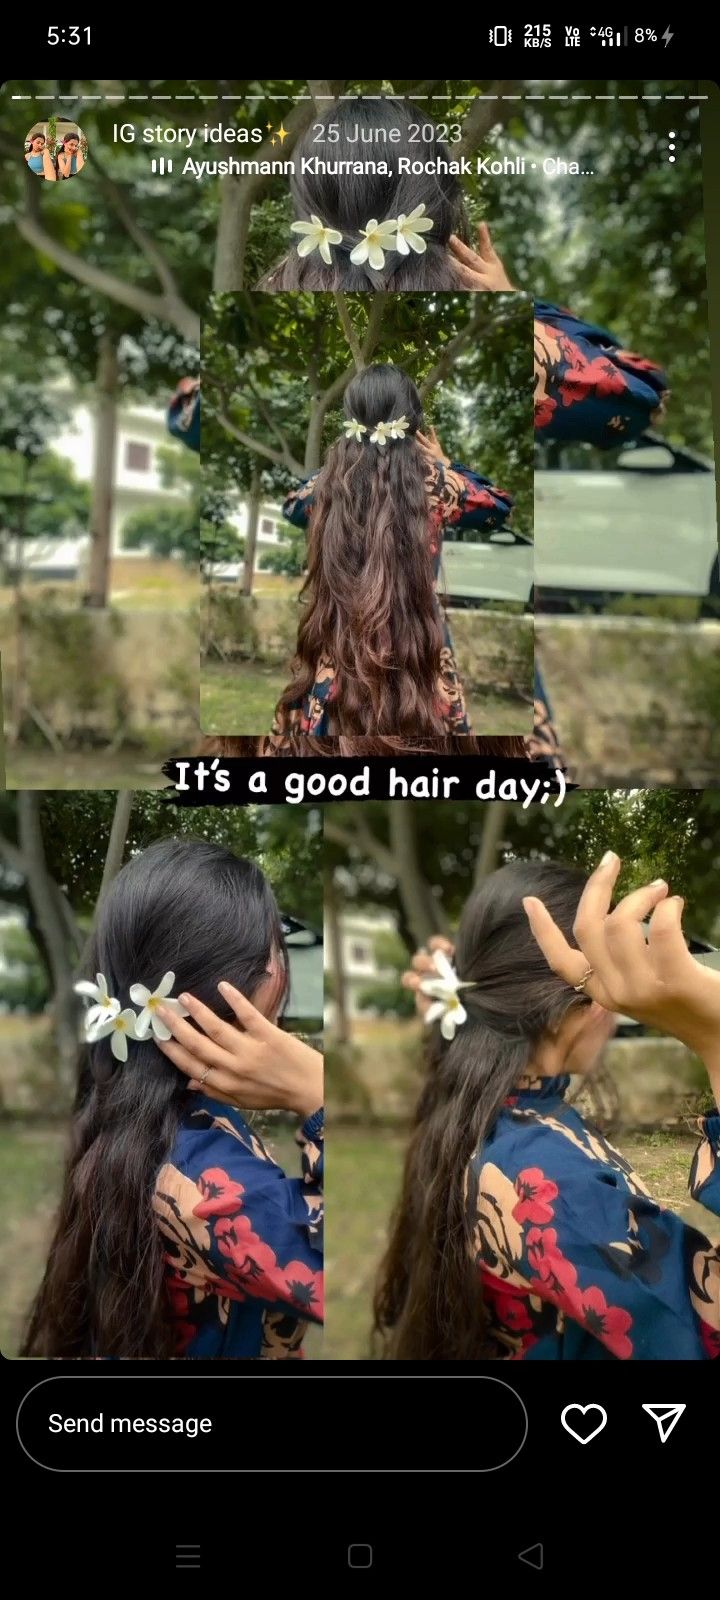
(636, 702)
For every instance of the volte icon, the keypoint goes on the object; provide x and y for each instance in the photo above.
(666, 1417)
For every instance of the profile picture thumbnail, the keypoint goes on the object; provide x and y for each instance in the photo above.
(56, 149)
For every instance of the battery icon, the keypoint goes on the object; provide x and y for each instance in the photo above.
(501, 36)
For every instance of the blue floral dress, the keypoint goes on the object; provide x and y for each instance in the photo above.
(586, 388)
(457, 498)
(243, 1242)
(577, 1262)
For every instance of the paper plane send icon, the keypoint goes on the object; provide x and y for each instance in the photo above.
(666, 1418)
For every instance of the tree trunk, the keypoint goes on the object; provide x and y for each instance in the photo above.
(423, 913)
(487, 856)
(117, 841)
(19, 686)
(107, 386)
(251, 534)
(232, 235)
(334, 929)
(42, 892)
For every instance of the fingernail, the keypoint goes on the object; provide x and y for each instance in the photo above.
(608, 858)
(184, 998)
(224, 987)
(658, 883)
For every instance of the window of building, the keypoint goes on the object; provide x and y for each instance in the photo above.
(137, 456)
(267, 525)
(360, 953)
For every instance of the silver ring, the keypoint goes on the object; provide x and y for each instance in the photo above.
(578, 987)
(206, 1074)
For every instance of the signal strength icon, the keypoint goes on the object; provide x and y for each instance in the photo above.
(666, 1417)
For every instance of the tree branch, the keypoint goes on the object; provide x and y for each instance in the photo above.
(362, 838)
(151, 306)
(444, 366)
(150, 250)
(280, 457)
(346, 324)
(485, 113)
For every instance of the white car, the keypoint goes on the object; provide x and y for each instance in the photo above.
(640, 520)
(479, 564)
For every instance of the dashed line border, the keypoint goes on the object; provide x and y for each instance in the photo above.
(119, 99)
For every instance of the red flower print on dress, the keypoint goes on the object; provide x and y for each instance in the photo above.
(556, 1275)
(599, 377)
(252, 1263)
(609, 1324)
(638, 363)
(222, 1197)
(710, 1340)
(304, 1287)
(544, 412)
(535, 1191)
(509, 1303)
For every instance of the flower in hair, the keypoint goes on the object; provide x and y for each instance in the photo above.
(316, 237)
(105, 1006)
(354, 430)
(150, 1000)
(377, 237)
(409, 230)
(396, 429)
(448, 1009)
(122, 1025)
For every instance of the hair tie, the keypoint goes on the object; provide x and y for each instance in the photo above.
(448, 1009)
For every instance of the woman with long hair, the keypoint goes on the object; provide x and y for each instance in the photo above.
(375, 205)
(177, 1234)
(374, 652)
(520, 1232)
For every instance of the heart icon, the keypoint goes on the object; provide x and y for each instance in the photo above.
(586, 1427)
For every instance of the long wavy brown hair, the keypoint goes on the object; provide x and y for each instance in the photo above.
(306, 745)
(428, 1302)
(192, 907)
(371, 609)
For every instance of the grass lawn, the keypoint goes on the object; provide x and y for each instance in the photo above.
(135, 585)
(364, 1169)
(498, 715)
(240, 699)
(86, 769)
(31, 1163)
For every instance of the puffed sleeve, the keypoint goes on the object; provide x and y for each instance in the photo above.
(565, 1231)
(236, 1226)
(586, 386)
(299, 503)
(470, 501)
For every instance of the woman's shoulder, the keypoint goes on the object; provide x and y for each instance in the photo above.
(211, 1132)
(555, 1144)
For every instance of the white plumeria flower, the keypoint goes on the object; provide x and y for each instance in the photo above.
(105, 1006)
(377, 238)
(317, 237)
(354, 430)
(123, 1026)
(409, 230)
(150, 1000)
(381, 433)
(398, 428)
(448, 1009)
